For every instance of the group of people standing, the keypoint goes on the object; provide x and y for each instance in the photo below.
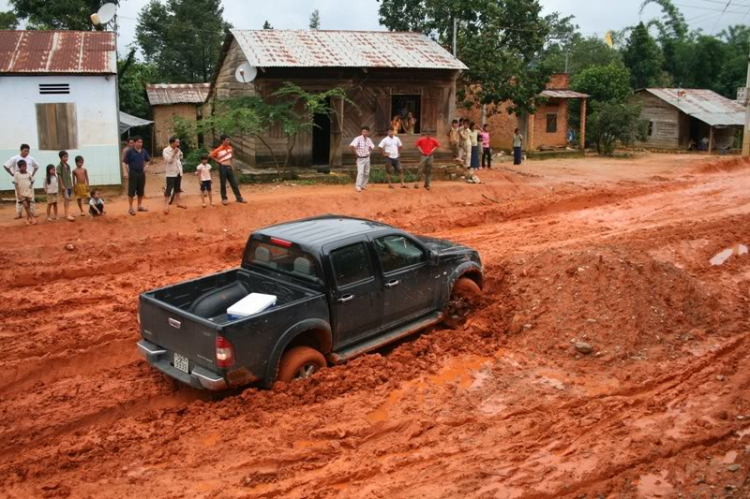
(59, 181)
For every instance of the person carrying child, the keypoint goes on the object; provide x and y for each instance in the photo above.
(204, 176)
(96, 204)
(24, 190)
(81, 183)
(51, 187)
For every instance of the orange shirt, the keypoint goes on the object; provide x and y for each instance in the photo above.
(223, 154)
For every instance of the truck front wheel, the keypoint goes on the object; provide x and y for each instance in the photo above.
(464, 298)
(300, 363)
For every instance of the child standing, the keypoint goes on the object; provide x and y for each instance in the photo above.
(24, 192)
(486, 151)
(204, 176)
(96, 204)
(51, 188)
(65, 178)
(81, 183)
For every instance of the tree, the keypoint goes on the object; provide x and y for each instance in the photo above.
(132, 81)
(58, 14)
(315, 19)
(500, 42)
(8, 20)
(609, 83)
(615, 122)
(578, 54)
(644, 59)
(182, 38)
(267, 25)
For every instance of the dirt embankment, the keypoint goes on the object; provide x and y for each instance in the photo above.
(655, 404)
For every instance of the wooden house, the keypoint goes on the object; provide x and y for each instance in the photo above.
(170, 100)
(383, 74)
(690, 119)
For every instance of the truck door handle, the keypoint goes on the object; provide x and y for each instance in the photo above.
(392, 284)
(346, 298)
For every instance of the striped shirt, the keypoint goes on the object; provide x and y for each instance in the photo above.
(223, 154)
(363, 146)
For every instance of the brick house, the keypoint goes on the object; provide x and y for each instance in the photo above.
(547, 128)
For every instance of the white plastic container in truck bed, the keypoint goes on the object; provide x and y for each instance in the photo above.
(252, 304)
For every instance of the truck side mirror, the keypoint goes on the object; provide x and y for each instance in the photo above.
(434, 258)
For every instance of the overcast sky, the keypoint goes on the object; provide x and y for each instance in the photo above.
(595, 17)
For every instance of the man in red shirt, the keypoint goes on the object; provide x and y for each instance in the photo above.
(427, 146)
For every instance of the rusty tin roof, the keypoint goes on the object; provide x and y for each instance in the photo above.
(563, 94)
(57, 52)
(343, 49)
(705, 105)
(165, 94)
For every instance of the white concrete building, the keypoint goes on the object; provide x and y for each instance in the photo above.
(58, 91)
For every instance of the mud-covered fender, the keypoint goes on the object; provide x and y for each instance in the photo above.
(456, 274)
(287, 338)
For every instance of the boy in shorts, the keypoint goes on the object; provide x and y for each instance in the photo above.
(96, 204)
(81, 183)
(204, 176)
(24, 191)
(65, 177)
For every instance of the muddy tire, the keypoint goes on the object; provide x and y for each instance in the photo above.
(300, 363)
(465, 297)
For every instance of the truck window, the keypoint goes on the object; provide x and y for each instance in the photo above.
(351, 264)
(398, 252)
(291, 260)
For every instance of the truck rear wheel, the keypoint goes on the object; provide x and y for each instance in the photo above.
(300, 363)
(464, 298)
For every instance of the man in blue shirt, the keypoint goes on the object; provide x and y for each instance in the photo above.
(137, 160)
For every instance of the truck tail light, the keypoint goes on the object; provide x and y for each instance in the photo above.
(281, 242)
(224, 352)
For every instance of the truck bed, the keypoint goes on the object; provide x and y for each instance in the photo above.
(186, 318)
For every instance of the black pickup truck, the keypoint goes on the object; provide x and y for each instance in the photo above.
(344, 286)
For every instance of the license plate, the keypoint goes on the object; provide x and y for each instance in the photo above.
(181, 362)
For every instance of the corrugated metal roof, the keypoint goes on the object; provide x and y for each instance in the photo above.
(705, 105)
(164, 94)
(128, 121)
(563, 94)
(343, 49)
(66, 52)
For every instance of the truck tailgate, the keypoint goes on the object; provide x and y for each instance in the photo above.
(178, 332)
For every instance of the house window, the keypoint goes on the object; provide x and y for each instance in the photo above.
(409, 109)
(552, 123)
(57, 126)
(650, 128)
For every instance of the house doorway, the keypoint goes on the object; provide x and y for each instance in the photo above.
(321, 137)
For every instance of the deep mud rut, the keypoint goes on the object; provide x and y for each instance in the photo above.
(614, 254)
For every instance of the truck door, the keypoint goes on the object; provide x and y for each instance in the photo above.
(408, 279)
(356, 303)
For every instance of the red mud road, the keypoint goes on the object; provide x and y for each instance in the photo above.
(612, 253)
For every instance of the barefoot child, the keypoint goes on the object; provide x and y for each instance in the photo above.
(24, 192)
(51, 187)
(65, 177)
(96, 204)
(81, 183)
(204, 175)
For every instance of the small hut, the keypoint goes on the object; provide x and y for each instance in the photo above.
(170, 100)
(383, 74)
(690, 119)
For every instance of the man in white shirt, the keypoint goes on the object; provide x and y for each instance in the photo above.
(391, 148)
(11, 166)
(173, 170)
(362, 146)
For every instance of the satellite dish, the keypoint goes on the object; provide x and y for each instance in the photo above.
(106, 13)
(246, 73)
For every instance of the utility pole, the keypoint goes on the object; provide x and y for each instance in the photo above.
(746, 132)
